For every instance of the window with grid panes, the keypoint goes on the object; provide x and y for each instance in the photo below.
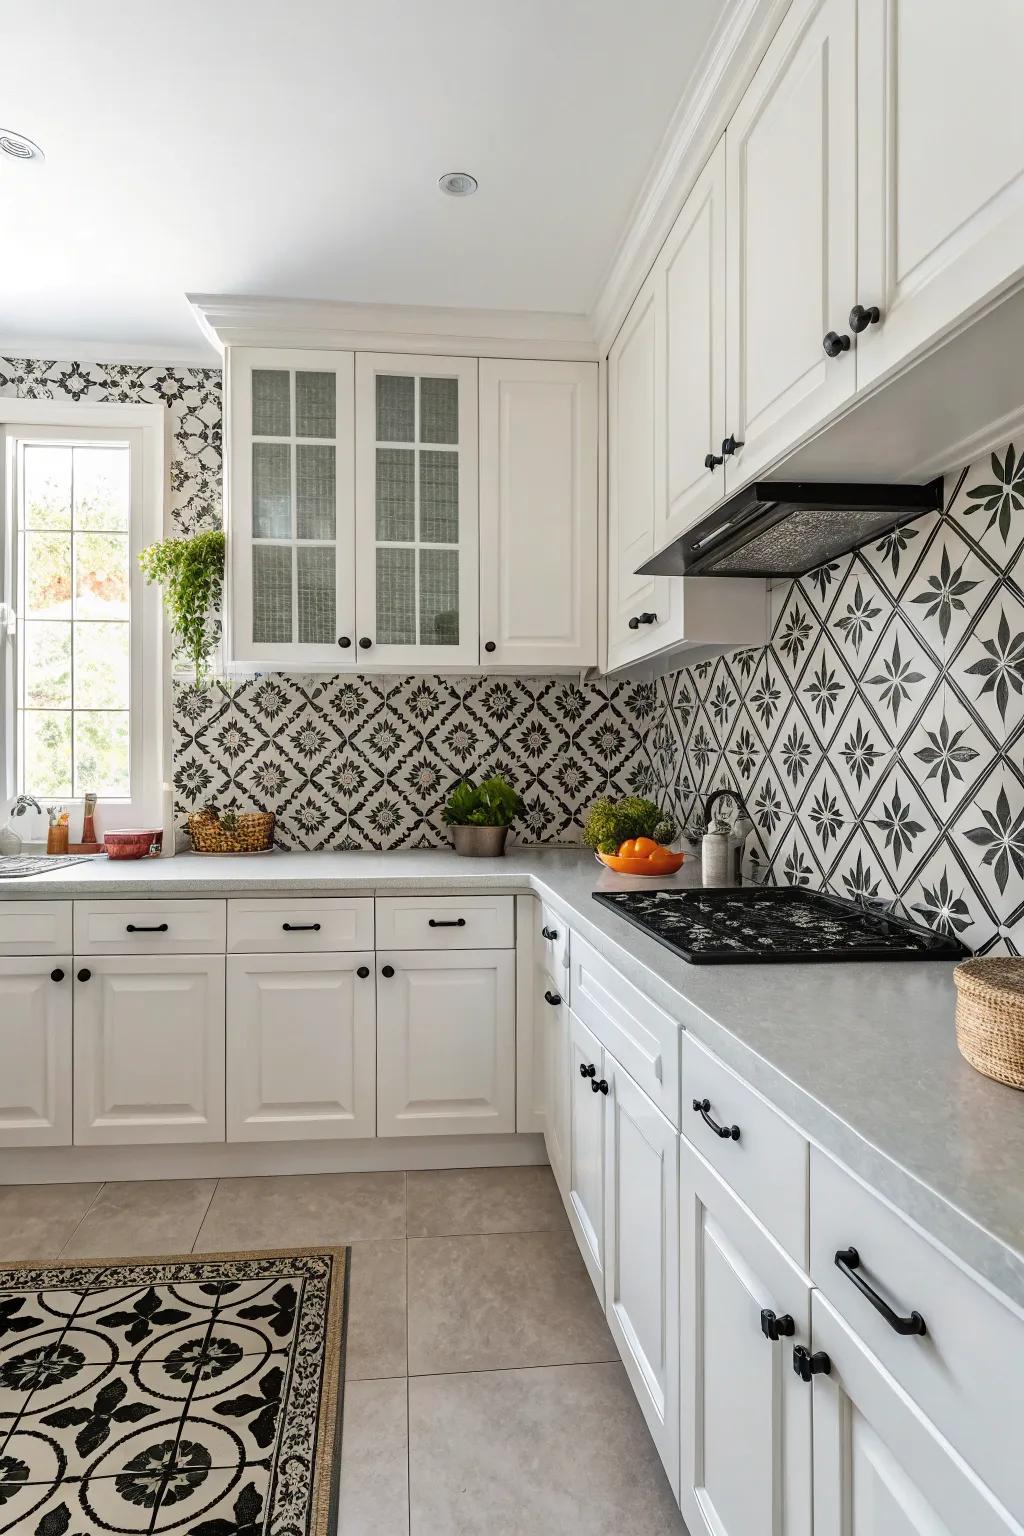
(417, 510)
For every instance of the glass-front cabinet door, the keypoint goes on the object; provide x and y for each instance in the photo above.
(290, 507)
(417, 590)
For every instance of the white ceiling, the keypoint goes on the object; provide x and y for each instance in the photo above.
(293, 149)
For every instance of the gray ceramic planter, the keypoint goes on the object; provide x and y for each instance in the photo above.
(479, 842)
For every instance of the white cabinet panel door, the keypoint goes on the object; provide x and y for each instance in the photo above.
(746, 1416)
(35, 1052)
(446, 1047)
(940, 202)
(538, 513)
(417, 570)
(149, 1049)
(880, 1467)
(791, 164)
(692, 268)
(554, 1022)
(586, 1148)
(641, 1235)
(301, 1047)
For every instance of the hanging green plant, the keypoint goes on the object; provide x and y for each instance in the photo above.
(191, 572)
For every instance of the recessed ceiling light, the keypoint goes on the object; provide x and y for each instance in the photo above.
(18, 147)
(458, 183)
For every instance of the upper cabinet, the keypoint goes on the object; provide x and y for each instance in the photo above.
(538, 512)
(941, 167)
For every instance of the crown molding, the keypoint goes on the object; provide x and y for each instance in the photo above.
(722, 74)
(252, 321)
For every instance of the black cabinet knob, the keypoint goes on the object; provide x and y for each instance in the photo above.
(365, 642)
(84, 975)
(554, 998)
(344, 641)
(57, 975)
(490, 646)
(861, 317)
(642, 618)
(587, 1071)
(387, 970)
(600, 1086)
(776, 1327)
(712, 460)
(807, 1365)
(834, 344)
(363, 971)
(550, 934)
(730, 444)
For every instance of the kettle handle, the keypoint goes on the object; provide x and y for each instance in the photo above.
(722, 794)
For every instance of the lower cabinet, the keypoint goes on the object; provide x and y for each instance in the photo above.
(641, 1253)
(301, 1047)
(149, 1049)
(553, 1012)
(745, 1414)
(585, 1181)
(446, 1047)
(35, 1050)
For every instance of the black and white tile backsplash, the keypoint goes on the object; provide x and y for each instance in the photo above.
(878, 741)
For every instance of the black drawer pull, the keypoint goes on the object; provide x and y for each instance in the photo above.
(807, 1365)
(848, 1263)
(154, 928)
(727, 1132)
(446, 922)
(776, 1327)
(551, 934)
(599, 1086)
(586, 1071)
(554, 998)
(301, 927)
(57, 975)
(84, 974)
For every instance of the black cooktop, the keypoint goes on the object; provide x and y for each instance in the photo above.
(756, 924)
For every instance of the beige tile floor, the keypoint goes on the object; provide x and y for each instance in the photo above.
(483, 1390)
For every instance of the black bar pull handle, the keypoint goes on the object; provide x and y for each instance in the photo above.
(138, 928)
(727, 1132)
(848, 1263)
(301, 927)
(446, 922)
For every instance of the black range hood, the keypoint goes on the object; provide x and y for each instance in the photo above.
(787, 527)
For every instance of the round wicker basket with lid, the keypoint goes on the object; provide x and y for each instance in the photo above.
(990, 1017)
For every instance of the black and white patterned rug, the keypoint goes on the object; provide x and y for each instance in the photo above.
(199, 1396)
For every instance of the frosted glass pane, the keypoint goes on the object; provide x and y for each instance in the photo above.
(47, 651)
(396, 597)
(314, 490)
(271, 402)
(47, 742)
(102, 666)
(395, 409)
(271, 593)
(47, 486)
(396, 519)
(439, 497)
(439, 410)
(314, 405)
(315, 571)
(439, 597)
(271, 491)
(102, 487)
(102, 742)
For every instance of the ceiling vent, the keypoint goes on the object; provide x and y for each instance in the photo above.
(18, 147)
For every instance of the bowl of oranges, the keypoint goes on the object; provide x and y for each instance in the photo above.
(643, 856)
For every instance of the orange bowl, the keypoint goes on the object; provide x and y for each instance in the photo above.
(656, 868)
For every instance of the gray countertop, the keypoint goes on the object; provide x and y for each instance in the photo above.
(862, 1056)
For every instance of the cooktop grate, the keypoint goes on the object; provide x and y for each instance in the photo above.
(760, 924)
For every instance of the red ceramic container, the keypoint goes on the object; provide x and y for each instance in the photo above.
(133, 842)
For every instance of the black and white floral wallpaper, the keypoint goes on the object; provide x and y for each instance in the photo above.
(878, 741)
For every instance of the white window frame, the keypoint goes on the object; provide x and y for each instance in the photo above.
(143, 428)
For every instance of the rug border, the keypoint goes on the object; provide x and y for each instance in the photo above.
(324, 1508)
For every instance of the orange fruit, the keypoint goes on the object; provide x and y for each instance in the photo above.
(628, 849)
(644, 847)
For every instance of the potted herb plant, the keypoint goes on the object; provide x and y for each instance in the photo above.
(191, 572)
(480, 815)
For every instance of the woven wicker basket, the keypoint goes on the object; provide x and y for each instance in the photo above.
(250, 832)
(990, 1017)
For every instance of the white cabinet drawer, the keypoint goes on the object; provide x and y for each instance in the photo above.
(765, 1164)
(35, 927)
(149, 927)
(638, 1033)
(966, 1372)
(446, 922)
(290, 926)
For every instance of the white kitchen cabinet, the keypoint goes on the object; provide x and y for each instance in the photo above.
(149, 1049)
(417, 576)
(641, 1243)
(301, 1047)
(290, 510)
(538, 513)
(552, 1010)
(940, 202)
(791, 176)
(745, 1415)
(35, 1051)
(691, 269)
(880, 1467)
(446, 1046)
(586, 1147)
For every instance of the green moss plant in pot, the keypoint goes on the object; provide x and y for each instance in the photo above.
(480, 815)
(191, 572)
